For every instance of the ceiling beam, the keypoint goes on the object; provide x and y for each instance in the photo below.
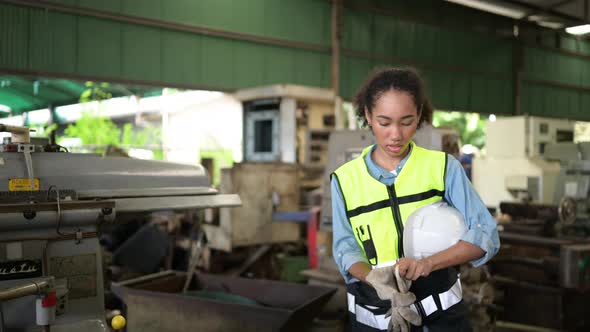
(546, 8)
(552, 12)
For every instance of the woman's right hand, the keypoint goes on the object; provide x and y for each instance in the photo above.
(413, 269)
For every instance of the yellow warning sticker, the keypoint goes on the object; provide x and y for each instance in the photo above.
(21, 184)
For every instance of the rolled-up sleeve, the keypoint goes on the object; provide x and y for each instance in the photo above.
(345, 249)
(482, 228)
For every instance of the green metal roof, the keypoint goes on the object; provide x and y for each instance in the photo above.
(26, 94)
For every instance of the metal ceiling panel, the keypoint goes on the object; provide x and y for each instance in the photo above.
(181, 66)
(141, 53)
(98, 47)
(267, 41)
(14, 37)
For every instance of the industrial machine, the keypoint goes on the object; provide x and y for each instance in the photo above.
(51, 204)
(280, 122)
(286, 129)
(543, 268)
(542, 271)
(538, 179)
(515, 167)
(571, 195)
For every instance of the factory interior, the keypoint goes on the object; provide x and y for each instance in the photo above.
(170, 165)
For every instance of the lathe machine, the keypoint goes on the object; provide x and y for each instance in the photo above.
(51, 203)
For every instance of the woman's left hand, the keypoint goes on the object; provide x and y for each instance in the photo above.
(413, 269)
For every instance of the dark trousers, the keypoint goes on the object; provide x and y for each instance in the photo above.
(455, 318)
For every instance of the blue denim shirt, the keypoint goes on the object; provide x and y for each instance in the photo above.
(459, 193)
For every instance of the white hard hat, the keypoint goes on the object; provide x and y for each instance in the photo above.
(431, 229)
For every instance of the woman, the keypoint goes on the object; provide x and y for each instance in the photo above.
(373, 195)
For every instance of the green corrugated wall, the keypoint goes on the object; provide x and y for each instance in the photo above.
(48, 41)
(466, 66)
(464, 71)
(556, 83)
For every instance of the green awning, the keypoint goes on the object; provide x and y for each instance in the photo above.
(27, 94)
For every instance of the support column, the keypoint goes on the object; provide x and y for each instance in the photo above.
(517, 68)
(336, 38)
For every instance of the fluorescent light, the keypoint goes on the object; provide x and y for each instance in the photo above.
(545, 22)
(5, 109)
(535, 18)
(550, 25)
(491, 8)
(579, 29)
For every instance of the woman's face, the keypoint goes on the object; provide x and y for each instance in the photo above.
(394, 120)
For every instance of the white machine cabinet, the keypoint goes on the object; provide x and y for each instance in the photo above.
(525, 136)
(514, 167)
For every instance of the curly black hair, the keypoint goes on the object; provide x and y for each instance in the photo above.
(382, 80)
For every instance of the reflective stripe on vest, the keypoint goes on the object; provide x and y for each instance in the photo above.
(447, 300)
(378, 212)
(365, 316)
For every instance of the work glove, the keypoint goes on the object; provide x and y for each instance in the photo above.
(391, 286)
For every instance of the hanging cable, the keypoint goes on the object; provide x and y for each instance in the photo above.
(57, 199)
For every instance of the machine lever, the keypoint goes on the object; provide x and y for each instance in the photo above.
(29, 162)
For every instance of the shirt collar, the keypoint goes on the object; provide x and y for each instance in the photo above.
(379, 172)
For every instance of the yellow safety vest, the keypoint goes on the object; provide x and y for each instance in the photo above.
(378, 212)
